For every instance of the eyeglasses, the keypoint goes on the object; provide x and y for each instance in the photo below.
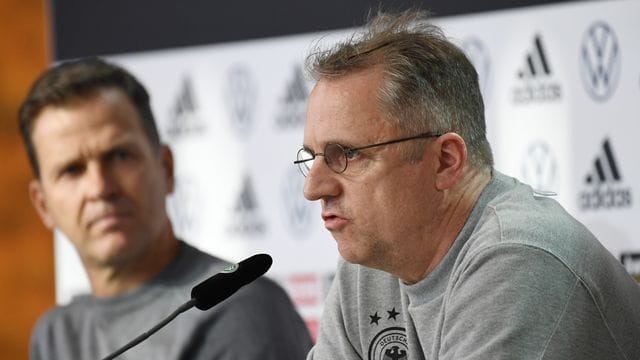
(337, 156)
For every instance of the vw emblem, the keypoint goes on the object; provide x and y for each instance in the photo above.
(298, 210)
(539, 167)
(241, 97)
(600, 61)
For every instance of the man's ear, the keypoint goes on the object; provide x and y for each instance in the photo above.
(36, 193)
(167, 163)
(452, 156)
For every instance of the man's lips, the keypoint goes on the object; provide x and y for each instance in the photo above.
(334, 222)
(108, 220)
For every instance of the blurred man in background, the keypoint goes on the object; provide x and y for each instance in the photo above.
(444, 257)
(101, 178)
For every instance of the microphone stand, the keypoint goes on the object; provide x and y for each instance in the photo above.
(184, 307)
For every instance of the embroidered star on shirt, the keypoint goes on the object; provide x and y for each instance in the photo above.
(374, 318)
(392, 314)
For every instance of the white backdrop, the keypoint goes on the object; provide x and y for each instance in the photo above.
(562, 94)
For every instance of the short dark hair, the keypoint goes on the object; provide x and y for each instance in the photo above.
(429, 84)
(81, 79)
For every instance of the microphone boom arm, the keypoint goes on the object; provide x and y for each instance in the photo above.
(184, 307)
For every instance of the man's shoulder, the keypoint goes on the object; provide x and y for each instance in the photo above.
(62, 318)
(521, 221)
(192, 266)
(527, 221)
(520, 215)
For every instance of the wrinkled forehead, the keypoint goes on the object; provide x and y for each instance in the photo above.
(108, 113)
(346, 110)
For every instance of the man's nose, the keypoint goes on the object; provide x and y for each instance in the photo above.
(321, 182)
(99, 181)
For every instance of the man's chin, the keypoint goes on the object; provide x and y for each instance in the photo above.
(349, 254)
(110, 251)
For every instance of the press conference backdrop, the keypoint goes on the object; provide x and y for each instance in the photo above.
(562, 91)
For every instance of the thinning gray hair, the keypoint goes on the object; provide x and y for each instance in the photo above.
(429, 84)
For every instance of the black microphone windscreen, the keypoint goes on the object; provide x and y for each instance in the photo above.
(223, 284)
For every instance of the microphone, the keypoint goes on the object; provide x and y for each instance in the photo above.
(210, 292)
(223, 284)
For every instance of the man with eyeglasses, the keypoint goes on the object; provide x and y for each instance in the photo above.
(443, 256)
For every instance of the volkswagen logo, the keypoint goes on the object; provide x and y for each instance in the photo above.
(241, 97)
(600, 61)
(297, 209)
(539, 167)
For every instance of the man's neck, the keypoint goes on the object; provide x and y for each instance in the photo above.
(457, 206)
(107, 281)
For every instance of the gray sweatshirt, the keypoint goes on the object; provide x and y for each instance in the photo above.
(257, 322)
(523, 280)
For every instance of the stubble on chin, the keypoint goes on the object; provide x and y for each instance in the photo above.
(366, 250)
(108, 251)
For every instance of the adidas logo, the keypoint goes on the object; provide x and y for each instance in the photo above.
(294, 102)
(247, 221)
(185, 103)
(535, 74)
(605, 167)
(604, 180)
(536, 62)
(247, 201)
(183, 115)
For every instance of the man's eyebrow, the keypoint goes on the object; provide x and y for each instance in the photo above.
(343, 143)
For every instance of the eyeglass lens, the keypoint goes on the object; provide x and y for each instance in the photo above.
(334, 156)
(305, 161)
